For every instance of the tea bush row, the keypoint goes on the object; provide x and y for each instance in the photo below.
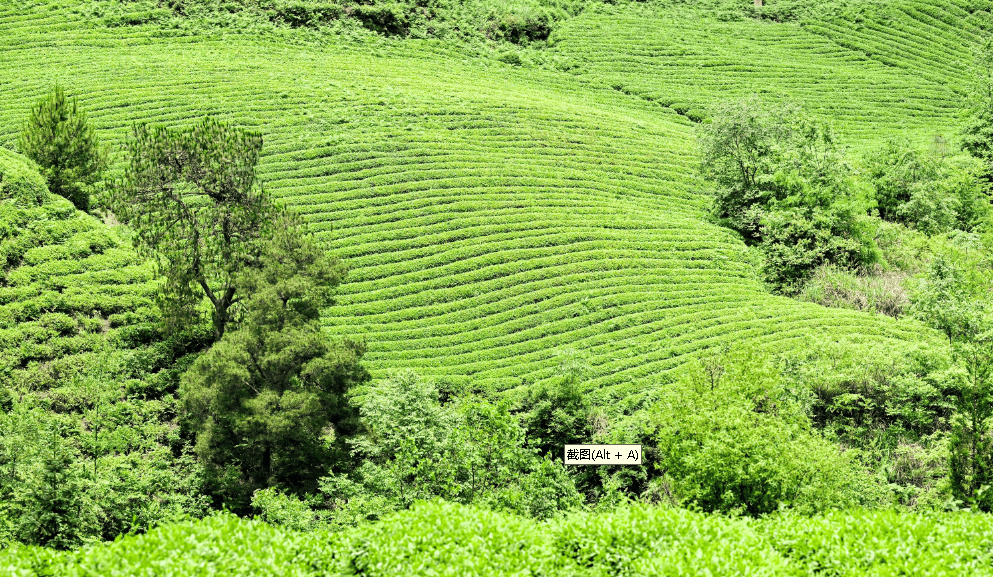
(447, 539)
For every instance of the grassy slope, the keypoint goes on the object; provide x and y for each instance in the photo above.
(493, 216)
(70, 287)
(894, 69)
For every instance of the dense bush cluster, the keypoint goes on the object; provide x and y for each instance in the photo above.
(783, 183)
(520, 22)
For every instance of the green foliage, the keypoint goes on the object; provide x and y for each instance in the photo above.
(521, 23)
(282, 510)
(85, 463)
(797, 241)
(732, 438)
(447, 539)
(970, 462)
(19, 181)
(782, 181)
(471, 452)
(474, 22)
(977, 134)
(893, 405)
(926, 192)
(66, 148)
(191, 197)
(952, 298)
(269, 400)
(879, 543)
(440, 538)
(584, 252)
(638, 540)
(898, 171)
(224, 543)
(301, 13)
(65, 276)
(557, 415)
(601, 243)
(55, 510)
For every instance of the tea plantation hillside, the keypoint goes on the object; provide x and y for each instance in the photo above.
(494, 216)
(874, 69)
(71, 287)
(535, 259)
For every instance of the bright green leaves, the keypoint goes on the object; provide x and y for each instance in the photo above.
(58, 138)
(977, 134)
(732, 438)
(468, 452)
(970, 460)
(926, 192)
(20, 181)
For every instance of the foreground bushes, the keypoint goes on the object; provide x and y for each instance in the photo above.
(446, 539)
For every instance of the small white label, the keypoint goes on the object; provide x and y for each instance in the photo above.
(602, 455)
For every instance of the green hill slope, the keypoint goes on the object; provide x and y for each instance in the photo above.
(495, 216)
(70, 286)
(873, 70)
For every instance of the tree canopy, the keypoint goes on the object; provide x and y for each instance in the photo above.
(192, 198)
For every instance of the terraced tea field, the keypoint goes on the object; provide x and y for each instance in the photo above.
(496, 217)
(901, 68)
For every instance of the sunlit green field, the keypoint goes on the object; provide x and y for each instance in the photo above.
(497, 217)
(499, 221)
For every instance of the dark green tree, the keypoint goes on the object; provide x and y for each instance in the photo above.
(192, 198)
(970, 461)
(558, 415)
(58, 137)
(897, 171)
(951, 299)
(468, 451)
(783, 183)
(54, 508)
(268, 401)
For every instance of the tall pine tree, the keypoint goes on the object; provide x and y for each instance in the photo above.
(58, 137)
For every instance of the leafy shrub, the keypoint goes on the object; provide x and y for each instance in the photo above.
(61, 323)
(225, 543)
(798, 241)
(638, 540)
(277, 508)
(731, 437)
(782, 181)
(884, 542)
(926, 192)
(415, 449)
(300, 13)
(447, 539)
(519, 24)
(894, 404)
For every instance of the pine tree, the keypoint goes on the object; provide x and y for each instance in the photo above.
(66, 148)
